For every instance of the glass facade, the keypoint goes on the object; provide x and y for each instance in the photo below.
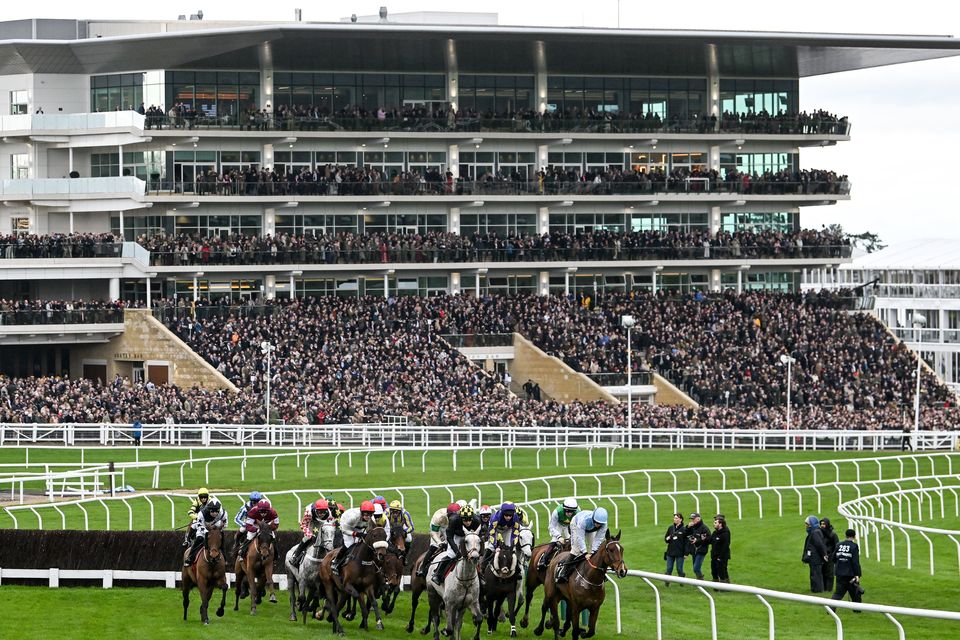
(495, 94)
(503, 224)
(334, 92)
(127, 91)
(744, 221)
(758, 163)
(683, 98)
(140, 164)
(753, 96)
(217, 96)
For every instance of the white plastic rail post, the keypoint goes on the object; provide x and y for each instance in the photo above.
(713, 612)
(771, 625)
(659, 615)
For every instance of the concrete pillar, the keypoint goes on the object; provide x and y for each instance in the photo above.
(453, 160)
(654, 280)
(716, 220)
(713, 81)
(543, 155)
(453, 220)
(739, 280)
(71, 221)
(69, 159)
(386, 285)
(121, 225)
(544, 283)
(120, 148)
(566, 283)
(453, 80)
(149, 303)
(269, 222)
(713, 157)
(476, 286)
(293, 287)
(270, 287)
(540, 82)
(114, 288)
(267, 156)
(266, 77)
(714, 280)
(543, 220)
(455, 283)
(196, 289)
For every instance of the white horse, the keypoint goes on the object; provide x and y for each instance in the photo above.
(303, 582)
(460, 591)
(526, 550)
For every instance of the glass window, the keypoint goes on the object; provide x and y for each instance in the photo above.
(19, 102)
(19, 166)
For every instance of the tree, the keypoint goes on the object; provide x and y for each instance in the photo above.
(868, 241)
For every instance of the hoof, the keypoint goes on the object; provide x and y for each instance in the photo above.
(220, 612)
(293, 617)
(206, 622)
(513, 632)
(379, 625)
(273, 598)
(538, 631)
(524, 622)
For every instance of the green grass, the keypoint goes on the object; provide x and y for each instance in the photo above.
(766, 550)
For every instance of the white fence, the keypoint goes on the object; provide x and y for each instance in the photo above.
(885, 512)
(400, 435)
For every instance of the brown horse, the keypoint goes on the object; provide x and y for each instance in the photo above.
(417, 586)
(535, 577)
(359, 578)
(584, 590)
(255, 569)
(392, 580)
(208, 572)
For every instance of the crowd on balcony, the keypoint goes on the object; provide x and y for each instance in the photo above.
(309, 117)
(17, 312)
(440, 247)
(59, 245)
(333, 180)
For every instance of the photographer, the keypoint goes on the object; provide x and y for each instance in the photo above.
(676, 546)
(848, 569)
(698, 538)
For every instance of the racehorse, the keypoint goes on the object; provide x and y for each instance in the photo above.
(417, 586)
(358, 578)
(303, 582)
(460, 591)
(500, 580)
(255, 570)
(535, 577)
(392, 579)
(208, 572)
(584, 590)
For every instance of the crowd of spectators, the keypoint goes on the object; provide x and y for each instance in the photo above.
(59, 245)
(441, 246)
(341, 360)
(345, 180)
(17, 312)
(308, 117)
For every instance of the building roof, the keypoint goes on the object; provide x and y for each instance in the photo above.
(92, 47)
(913, 255)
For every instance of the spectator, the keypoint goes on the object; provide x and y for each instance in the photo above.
(815, 553)
(676, 546)
(720, 550)
(698, 539)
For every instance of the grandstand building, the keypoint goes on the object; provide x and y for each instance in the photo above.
(429, 154)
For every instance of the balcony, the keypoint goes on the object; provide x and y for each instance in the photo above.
(82, 261)
(78, 194)
(81, 129)
(49, 326)
(927, 336)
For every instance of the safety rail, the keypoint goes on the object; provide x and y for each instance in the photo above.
(497, 491)
(829, 605)
(891, 506)
(393, 434)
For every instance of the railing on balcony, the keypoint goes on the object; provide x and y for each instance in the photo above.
(927, 335)
(60, 316)
(638, 378)
(638, 186)
(469, 340)
(316, 254)
(65, 187)
(520, 124)
(72, 121)
(927, 291)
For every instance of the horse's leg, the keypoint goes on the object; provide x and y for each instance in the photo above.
(544, 606)
(434, 616)
(511, 611)
(239, 580)
(223, 593)
(574, 613)
(592, 623)
(567, 619)
(477, 617)
(555, 617)
(531, 586)
(451, 616)
(372, 602)
(414, 600)
(268, 578)
(186, 586)
(252, 585)
(496, 610)
(206, 590)
(294, 590)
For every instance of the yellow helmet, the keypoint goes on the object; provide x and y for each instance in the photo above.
(396, 505)
(203, 493)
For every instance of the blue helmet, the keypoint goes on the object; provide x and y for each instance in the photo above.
(600, 515)
(508, 507)
(255, 496)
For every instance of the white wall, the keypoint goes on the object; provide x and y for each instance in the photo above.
(53, 92)
(13, 83)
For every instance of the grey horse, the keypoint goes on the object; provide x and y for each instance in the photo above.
(460, 591)
(303, 582)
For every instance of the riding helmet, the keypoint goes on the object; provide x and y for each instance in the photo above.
(255, 496)
(396, 505)
(570, 504)
(508, 507)
(600, 515)
(366, 507)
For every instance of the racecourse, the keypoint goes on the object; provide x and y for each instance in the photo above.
(765, 551)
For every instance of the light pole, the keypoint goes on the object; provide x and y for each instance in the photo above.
(788, 360)
(266, 348)
(919, 321)
(628, 322)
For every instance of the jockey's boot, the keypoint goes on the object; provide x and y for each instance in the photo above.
(339, 560)
(567, 568)
(188, 537)
(546, 556)
(192, 556)
(299, 553)
(427, 559)
(438, 575)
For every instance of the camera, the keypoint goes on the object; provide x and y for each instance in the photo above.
(859, 590)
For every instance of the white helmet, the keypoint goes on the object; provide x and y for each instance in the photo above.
(570, 503)
(377, 510)
(485, 510)
(462, 503)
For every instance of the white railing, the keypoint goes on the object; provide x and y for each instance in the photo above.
(398, 435)
(764, 595)
(78, 122)
(36, 187)
(885, 512)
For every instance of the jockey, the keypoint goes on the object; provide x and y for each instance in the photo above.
(458, 526)
(485, 513)
(354, 524)
(203, 496)
(314, 517)
(438, 535)
(586, 528)
(211, 516)
(263, 512)
(559, 528)
(504, 529)
(380, 500)
(400, 519)
(241, 518)
(379, 518)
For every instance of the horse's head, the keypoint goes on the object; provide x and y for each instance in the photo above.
(327, 533)
(393, 572)
(399, 539)
(264, 541)
(376, 539)
(526, 542)
(214, 544)
(471, 547)
(505, 561)
(613, 554)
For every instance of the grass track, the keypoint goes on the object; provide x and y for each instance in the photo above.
(765, 551)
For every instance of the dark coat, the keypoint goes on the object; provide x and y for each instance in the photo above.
(676, 542)
(814, 548)
(698, 537)
(720, 544)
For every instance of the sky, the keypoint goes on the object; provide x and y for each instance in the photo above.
(903, 116)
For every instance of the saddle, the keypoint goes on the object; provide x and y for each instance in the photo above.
(565, 568)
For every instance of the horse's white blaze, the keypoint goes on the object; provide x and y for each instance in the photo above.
(380, 545)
